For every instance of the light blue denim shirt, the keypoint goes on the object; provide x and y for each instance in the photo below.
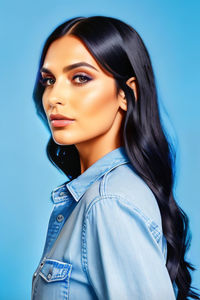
(104, 238)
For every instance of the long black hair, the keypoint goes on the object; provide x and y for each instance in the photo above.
(120, 50)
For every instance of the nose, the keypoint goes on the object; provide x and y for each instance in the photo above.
(55, 95)
(53, 101)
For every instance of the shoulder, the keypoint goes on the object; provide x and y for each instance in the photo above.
(122, 197)
(125, 182)
(122, 183)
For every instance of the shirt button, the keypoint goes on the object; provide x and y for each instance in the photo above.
(35, 274)
(60, 218)
(41, 264)
(62, 194)
(49, 276)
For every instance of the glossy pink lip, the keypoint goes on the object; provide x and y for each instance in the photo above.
(61, 123)
(58, 117)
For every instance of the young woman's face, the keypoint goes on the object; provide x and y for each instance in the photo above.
(83, 93)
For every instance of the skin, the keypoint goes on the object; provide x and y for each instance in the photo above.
(97, 112)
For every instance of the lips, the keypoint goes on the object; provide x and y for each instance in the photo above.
(59, 117)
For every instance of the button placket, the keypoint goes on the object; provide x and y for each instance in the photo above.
(42, 263)
(39, 268)
(60, 218)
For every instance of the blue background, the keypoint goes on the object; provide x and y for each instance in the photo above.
(170, 30)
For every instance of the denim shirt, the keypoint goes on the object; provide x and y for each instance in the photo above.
(104, 239)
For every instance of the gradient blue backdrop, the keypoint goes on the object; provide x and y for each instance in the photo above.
(171, 31)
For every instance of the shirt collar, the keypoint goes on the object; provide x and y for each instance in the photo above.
(78, 186)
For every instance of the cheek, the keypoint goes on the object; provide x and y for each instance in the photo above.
(98, 105)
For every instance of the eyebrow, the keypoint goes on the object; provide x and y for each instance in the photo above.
(70, 67)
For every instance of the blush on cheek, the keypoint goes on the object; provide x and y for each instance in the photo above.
(100, 100)
(100, 115)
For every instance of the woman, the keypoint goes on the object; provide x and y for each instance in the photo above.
(116, 231)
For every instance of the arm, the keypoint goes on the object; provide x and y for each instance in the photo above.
(121, 257)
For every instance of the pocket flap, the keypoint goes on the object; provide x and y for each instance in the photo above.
(54, 270)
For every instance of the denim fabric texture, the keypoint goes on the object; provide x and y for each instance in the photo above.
(104, 239)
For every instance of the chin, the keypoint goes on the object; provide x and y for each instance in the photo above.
(62, 141)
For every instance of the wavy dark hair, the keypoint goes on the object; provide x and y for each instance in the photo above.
(120, 50)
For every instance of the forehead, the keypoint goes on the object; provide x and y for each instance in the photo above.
(67, 50)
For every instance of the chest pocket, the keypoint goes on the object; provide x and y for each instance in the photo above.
(53, 281)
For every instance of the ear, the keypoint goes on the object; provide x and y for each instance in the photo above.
(131, 82)
(123, 102)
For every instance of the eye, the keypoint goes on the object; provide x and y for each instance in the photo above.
(44, 81)
(82, 79)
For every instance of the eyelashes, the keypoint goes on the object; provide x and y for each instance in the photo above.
(44, 81)
(83, 79)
